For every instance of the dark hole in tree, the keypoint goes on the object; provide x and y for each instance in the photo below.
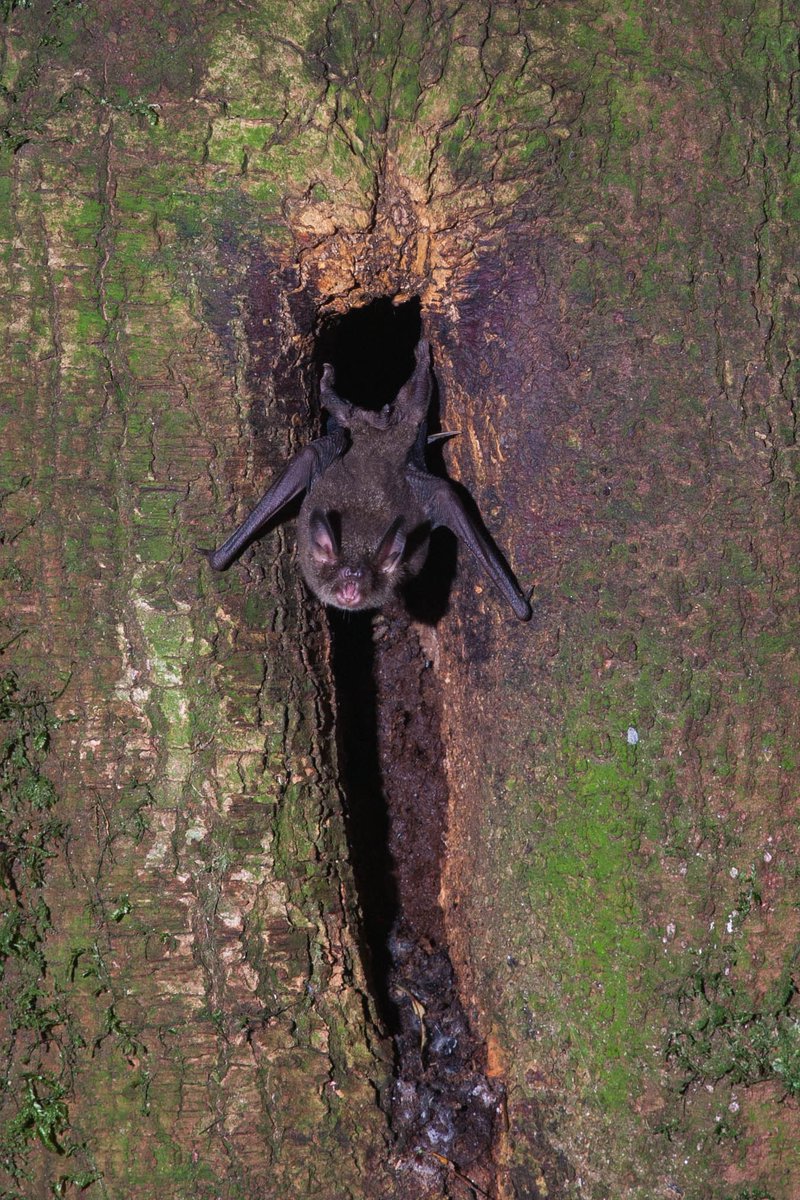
(372, 350)
(442, 1107)
(365, 811)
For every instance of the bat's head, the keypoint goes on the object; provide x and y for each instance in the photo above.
(351, 578)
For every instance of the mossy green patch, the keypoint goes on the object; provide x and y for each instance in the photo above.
(631, 35)
(581, 873)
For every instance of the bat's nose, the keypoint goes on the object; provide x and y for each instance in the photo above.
(353, 572)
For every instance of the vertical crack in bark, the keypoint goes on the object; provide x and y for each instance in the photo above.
(442, 1106)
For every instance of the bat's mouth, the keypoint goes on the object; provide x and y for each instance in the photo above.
(349, 594)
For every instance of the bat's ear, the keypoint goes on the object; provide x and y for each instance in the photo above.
(392, 547)
(324, 543)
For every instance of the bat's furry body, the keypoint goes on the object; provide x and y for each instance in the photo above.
(370, 503)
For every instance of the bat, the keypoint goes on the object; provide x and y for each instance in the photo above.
(370, 502)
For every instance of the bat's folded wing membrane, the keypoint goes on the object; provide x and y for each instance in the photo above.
(444, 506)
(296, 477)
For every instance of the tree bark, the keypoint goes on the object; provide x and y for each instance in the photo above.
(596, 207)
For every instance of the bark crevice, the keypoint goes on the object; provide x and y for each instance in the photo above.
(441, 1104)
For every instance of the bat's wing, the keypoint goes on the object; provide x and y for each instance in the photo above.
(296, 477)
(444, 506)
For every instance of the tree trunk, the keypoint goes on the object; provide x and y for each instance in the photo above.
(255, 861)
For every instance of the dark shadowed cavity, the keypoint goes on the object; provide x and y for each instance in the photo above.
(372, 350)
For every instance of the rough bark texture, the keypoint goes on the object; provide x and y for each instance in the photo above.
(596, 204)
